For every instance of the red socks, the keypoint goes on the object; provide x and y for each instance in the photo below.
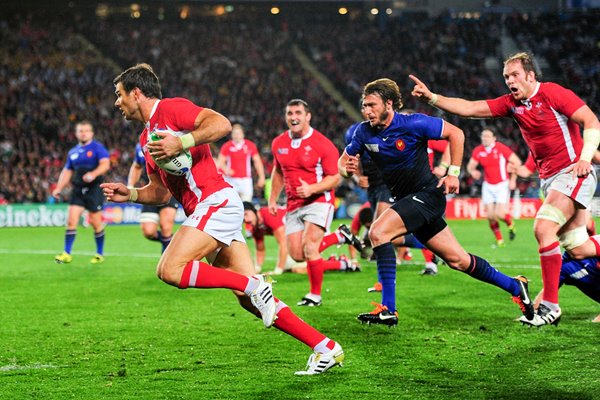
(315, 275)
(328, 241)
(198, 274)
(291, 324)
(551, 262)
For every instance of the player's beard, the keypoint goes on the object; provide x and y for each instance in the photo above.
(380, 122)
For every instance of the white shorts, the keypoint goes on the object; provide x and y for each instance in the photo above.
(579, 189)
(243, 187)
(498, 193)
(318, 213)
(220, 215)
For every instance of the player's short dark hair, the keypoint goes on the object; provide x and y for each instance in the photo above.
(365, 216)
(299, 102)
(140, 76)
(249, 206)
(527, 61)
(85, 122)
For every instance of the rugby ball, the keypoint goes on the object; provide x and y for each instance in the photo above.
(176, 165)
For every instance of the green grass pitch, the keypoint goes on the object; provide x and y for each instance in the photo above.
(114, 331)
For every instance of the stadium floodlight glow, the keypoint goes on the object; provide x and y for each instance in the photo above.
(343, 11)
(388, 11)
(135, 10)
(220, 10)
(229, 8)
(275, 10)
(374, 11)
(184, 12)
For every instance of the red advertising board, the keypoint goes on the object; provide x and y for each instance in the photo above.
(469, 208)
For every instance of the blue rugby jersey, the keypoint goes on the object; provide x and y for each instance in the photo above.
(400, 151)
(583, 274)
(83, 159)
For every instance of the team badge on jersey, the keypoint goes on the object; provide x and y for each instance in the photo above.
(400, 145)
(89, 153)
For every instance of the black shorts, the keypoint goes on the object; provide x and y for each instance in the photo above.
(89, 197)
(423, 213)
(172, 203)
(378, 194)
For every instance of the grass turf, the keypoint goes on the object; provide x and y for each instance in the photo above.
(114, 331)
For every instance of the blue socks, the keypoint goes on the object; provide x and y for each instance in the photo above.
(69, 240)
(482, 270)
(99, 236)
(386, 270)
(411, 241)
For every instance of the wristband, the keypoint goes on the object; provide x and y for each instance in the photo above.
(454, 170)
(187, 141)
(133, 194)
(591, 137)
(434, 99)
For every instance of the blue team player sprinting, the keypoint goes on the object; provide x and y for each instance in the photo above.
(397, 144)
(86, 164)
(583, 274)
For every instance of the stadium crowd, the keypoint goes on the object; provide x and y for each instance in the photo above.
(55, 71)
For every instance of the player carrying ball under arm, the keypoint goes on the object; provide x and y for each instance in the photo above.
(214, 211)
(549, 117)
(397, 144)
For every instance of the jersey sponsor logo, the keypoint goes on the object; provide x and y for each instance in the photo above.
(284, 150)
(372, 147)
(385, 138)
(74, 156)
(400, 145)
(518, 110)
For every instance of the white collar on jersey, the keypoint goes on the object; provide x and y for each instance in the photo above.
(154, 107)
(535, 91)
(296, 141)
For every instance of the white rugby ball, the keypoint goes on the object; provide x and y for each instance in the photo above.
(176, 165)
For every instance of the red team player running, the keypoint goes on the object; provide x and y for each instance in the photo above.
(494, 157)
(549, 117)
(235, 159)
(305, 161)
(214, 212)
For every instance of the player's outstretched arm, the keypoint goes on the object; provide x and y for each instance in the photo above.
(153, 193)
(454, 105)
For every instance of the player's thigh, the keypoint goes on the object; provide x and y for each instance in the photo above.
(166, 218)
(490, 210)
(295, 245)
(187, 244)
(236, 257)
(73, 215)
(386, 227)
(445, 245)
(312, 237)
(556, 211)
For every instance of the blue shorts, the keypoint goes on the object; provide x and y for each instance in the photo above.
(89, 197)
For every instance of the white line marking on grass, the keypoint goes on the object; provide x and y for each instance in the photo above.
(76, 253)
(16, 367)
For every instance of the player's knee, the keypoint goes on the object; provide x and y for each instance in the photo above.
(169, 273)
(548, 221)
(573, 239)
(311, 249)
(457, 261)
(378, 236)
